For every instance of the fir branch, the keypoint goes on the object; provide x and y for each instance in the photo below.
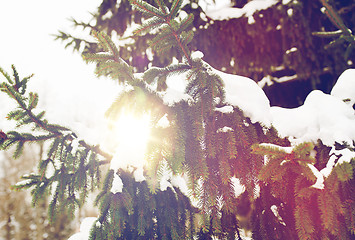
(72, 40)
(6, 75)
(97, 150)
(186, 22)
(110, 63)
(158, 19)
(107, 44)
(149, 25)
(304, 225)
(328, 33)
(161, 5)
(175, 8)
(33, 101)
(328, 207)
(350, 48)
(182, 47)
(98, 57)
(116, 70)
(344, 34)
(147, 8)
(334, 17)
(154, 72)
(24, 116)
(162, 38)
(186, 37)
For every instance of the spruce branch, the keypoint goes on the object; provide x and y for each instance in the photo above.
(146, 8)
(328, 34)
(154, 73)
(110, 63)
(175, 8)
(70, 165)
(186, 22)
(107, 44)
(335, 18)
(149, 25)
(344, 34)
(72, 40)
(160, 17)
(161, 5)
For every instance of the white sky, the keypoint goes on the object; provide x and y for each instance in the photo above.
(26, 39)
(68, 88)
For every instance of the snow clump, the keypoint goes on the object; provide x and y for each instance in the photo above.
(85, 227)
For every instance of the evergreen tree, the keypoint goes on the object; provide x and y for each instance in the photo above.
(284, 197)
(295, 62)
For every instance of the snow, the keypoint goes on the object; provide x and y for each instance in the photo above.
(345, 155)
(344, 88)
(285, 149)
(165, 182)
(180, 181)
(24, 182)
(337, 157)
(107, 15)
(138, 175)
(117, 184)
(197, 55)
(225, 129)
(237, 186)
(228, 12)
(75, 145)
(290, 12)
(170, 180)
(266, 80)
(328, 117)
(329, 167)
(291, 50)
(166, 175)
(276, 213)
(266, 159)
(319, 184)
(98, 224)
(251, 20)
(256, 192)
(248, 96)
(85, 227)
(175, 91)
(285, 78)
(225, 109)
(163, 122)
(322, 116)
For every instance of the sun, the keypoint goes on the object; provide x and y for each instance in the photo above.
(131, 133)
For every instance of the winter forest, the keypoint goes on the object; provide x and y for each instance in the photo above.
(207, 119)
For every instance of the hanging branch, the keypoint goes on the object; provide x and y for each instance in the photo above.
(344, 34)
(71, 160)
(171, 31)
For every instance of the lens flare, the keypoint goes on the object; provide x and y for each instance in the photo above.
(131, 133)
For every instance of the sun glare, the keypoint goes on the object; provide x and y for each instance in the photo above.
(131, 133)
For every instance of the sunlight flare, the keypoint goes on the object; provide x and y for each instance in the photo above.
(131, 134)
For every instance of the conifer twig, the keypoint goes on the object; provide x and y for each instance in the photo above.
(55, 130)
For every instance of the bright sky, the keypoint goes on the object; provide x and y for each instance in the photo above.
(62, 78)
(26, 40)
